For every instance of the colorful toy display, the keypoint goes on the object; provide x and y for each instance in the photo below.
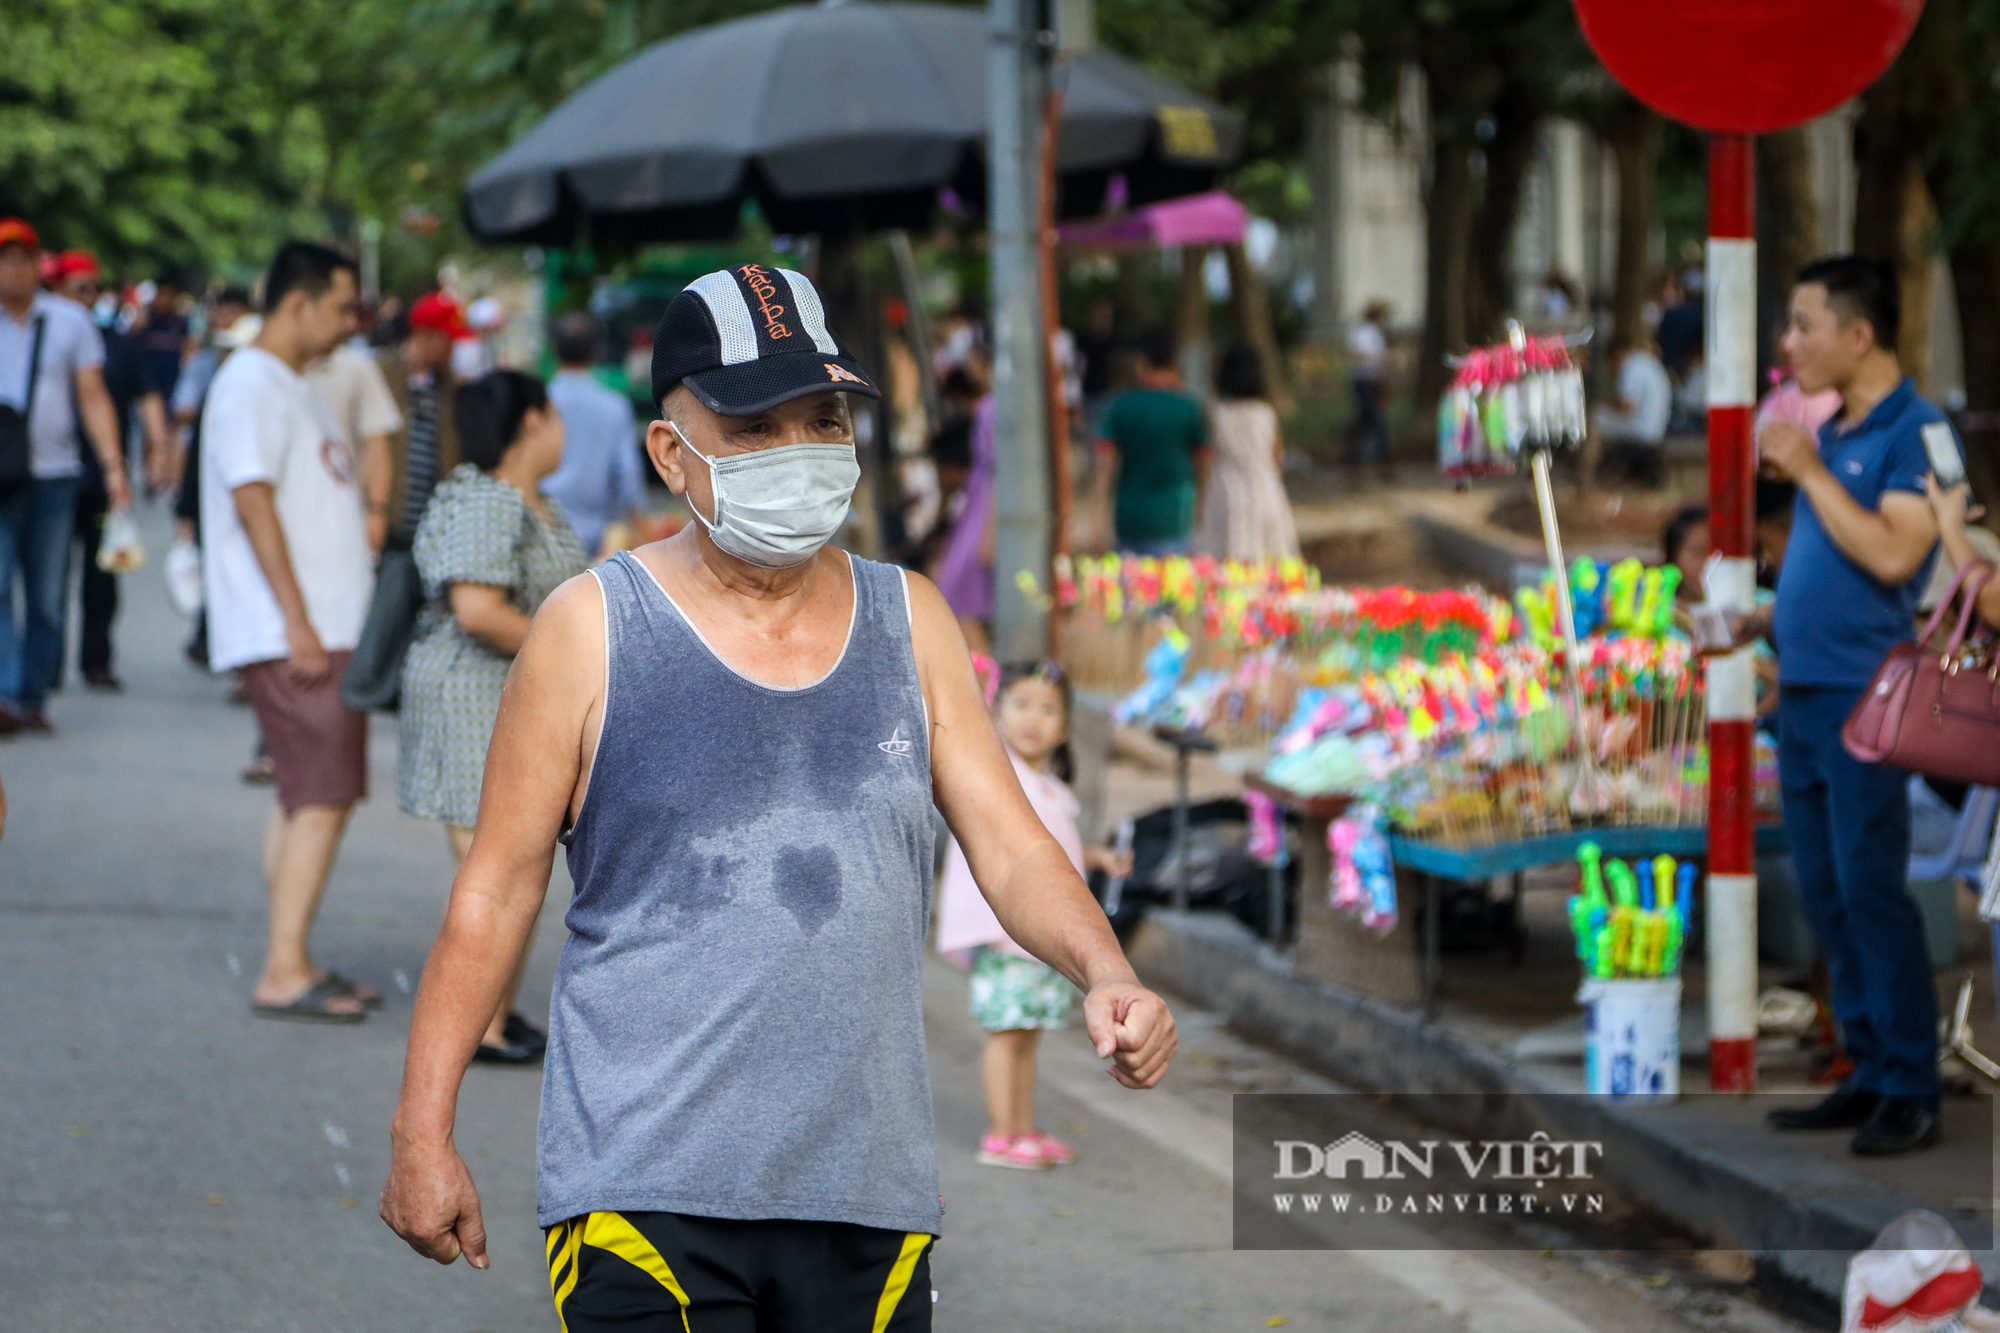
(1638, 928)
(1363, 881)
(1505, 400)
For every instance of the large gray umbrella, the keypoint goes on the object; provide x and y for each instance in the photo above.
(834, 118)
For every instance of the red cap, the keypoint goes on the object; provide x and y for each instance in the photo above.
(13, 231)
(441, 314)
(70, 263)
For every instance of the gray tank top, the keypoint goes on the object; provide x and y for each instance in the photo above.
(737, 1027)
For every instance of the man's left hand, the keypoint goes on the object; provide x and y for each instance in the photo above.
(1130, 1026)
(1788, 447)
(117, 490)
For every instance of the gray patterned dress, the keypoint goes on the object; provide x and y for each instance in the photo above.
(477, 529)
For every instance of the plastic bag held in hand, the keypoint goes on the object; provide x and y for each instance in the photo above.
(183, 570)
(1916, 1278)
(120, 551)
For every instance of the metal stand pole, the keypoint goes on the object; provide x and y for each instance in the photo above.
(1432, 927)
(1181, 885)
(1274, 890)
(1017, 79)
(1731, 904)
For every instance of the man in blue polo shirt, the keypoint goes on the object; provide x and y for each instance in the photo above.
(1863, 538)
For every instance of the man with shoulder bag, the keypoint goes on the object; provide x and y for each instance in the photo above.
(422, 450)
(51, 373)
(1863, 538)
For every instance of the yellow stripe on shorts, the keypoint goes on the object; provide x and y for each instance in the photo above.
(610, 1231)
(900, 1274)
(564, 1261)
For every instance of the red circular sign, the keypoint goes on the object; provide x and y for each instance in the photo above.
(1746, 66)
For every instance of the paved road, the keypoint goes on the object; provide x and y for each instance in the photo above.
(172, 1164)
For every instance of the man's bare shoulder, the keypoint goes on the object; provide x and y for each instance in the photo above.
(569, 627)
(933, 626)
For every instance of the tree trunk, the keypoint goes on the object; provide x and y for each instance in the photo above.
(1251, 305)
(1975, 280)
(1133, 292)
(1490, 295)
(1633, 135)
(1191, 318)
(851, 308)
(1787, 229)
(1447, 231)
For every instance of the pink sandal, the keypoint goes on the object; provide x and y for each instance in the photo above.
(1021, 1154)
(1053, 1150)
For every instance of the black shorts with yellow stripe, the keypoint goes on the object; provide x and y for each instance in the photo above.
(675, 1273)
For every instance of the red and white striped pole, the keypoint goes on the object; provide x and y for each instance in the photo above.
(1731, 906)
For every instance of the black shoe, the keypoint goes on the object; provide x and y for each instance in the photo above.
(1899, 1125)
(520, 1032)
(1846, 1107)
(511, 1053)
(100, 678)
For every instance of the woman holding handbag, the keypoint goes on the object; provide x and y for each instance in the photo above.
(490, 549)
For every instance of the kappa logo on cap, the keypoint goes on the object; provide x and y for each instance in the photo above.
(841, 373)
(764, 286)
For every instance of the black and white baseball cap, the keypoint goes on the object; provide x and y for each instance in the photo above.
(747, 338)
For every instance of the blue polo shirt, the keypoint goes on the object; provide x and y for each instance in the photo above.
(1834, 623)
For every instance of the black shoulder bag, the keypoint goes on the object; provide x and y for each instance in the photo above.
(16, 449)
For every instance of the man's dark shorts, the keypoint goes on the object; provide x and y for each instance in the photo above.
(318, 745)
(674, 1273)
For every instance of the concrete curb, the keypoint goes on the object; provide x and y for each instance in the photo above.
(1799, 1215)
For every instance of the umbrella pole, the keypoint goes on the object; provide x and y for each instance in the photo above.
(1061, 479)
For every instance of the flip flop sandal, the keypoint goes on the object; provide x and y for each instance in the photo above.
(311, 1007)
(370, 999)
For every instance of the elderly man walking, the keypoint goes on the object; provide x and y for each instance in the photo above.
(599, 480)
(739, 734)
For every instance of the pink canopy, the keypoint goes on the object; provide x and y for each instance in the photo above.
(1200, 219)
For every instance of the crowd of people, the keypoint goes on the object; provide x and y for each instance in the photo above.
(1169, 474)
(761, 723)
(739, 733)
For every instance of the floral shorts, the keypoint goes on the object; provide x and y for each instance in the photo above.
(1010, 992)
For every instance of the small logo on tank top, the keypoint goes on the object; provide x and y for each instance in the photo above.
(895, 744)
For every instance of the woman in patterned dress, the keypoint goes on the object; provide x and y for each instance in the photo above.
(490, 548)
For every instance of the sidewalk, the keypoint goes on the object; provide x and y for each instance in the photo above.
(1800, 1203)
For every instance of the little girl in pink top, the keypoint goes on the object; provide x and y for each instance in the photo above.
(1014, 995)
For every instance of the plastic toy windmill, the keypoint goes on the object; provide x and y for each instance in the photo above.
(1525, 397)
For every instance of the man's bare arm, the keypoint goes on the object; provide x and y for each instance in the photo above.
(100, 423)
(377, 470)
(257, 507)
(1035, 892)
(533, 766)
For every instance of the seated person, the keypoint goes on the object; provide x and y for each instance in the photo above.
(1628, 432)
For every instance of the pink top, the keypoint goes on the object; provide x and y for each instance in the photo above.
(1787, 402)
(964, 919)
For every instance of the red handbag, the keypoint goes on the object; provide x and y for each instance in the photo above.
(1936, 711)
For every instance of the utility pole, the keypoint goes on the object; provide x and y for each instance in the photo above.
(1017, 82)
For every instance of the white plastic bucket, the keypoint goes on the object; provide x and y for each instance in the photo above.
(1632, 1037)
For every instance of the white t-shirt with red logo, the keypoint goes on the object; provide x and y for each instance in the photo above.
(264, 422)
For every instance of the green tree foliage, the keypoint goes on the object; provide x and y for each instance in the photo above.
(163, 132)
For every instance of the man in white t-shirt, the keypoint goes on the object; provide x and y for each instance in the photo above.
(351, 382)
(1629, 433)
(288, 576)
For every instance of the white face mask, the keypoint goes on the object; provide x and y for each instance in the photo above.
(777, 507)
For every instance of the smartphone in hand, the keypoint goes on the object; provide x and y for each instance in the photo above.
(1947, 463)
